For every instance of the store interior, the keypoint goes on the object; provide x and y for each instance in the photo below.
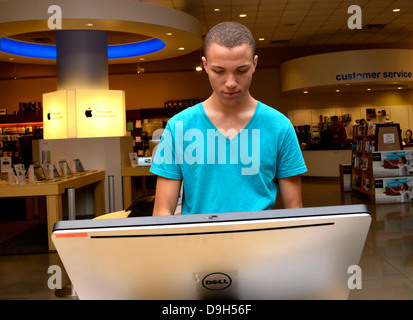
(157, 88)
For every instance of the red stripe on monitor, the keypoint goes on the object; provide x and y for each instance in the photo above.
(72, 235)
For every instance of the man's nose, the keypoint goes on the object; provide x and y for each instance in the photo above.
(231, 81)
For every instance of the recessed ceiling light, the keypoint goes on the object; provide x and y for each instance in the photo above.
(305, 91)
(11, 59)
(168, 33)
(242, 15)
(368, 89)
(400, 88)
(89, 24)
(261, 39)
(217, 9)
(142, 59)
(198, 68)
(396, 10)
(338, 90)
(181, 48)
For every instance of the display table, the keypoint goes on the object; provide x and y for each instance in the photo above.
(127, 174)
(53, 192)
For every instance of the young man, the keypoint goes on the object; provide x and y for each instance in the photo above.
(231, 151)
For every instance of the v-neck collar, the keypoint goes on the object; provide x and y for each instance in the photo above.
(212, 126)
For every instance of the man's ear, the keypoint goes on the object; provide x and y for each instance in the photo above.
(255, 62)
(205, 63)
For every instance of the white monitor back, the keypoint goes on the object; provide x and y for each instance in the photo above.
(275, 254)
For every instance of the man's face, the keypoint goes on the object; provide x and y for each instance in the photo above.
(230, 72)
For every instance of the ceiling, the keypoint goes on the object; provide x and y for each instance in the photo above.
(287, 23)
(292, 24)
(306, 22)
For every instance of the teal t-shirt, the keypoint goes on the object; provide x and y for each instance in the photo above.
(228, 175)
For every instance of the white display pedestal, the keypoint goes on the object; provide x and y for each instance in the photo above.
(109, 154)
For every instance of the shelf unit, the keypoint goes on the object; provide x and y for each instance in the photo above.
(362, 179)
(369, 138)
(16, 133)
(142, 122)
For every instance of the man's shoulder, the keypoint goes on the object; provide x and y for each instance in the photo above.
(272, 114)
(187, 113)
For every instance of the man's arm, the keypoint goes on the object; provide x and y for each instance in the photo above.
(290, 190)
(166, 196)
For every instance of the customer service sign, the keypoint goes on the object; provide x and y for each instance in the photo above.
(347, 67)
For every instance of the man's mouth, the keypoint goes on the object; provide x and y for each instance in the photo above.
(230, 94)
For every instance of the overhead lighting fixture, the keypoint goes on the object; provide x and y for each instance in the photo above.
(261, 39)
(368, 89)
(181, 49)
(399, 88)
(305, 91)
(217, 9)
(199, 67)
(168, 33)
(338, 90)
(396, 10)
(89, 24)
(242, 15)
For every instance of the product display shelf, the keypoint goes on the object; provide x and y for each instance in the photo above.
(16, 132)
(364, 140)
(141, 123)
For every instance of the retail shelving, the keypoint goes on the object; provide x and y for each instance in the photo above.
(364, 142)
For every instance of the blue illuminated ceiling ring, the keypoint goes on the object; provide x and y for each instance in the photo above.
(172, 32)
(45, 51)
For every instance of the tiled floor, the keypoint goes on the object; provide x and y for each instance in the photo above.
(386, 263)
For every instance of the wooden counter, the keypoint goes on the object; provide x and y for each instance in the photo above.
(325, 163)
(53, 192)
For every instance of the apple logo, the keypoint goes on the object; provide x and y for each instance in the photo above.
(88, 113)
(48, 116)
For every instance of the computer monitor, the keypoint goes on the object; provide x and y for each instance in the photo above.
(78, 165)
(275, 254)
(64, 166)
(56, 173)
(39, 173)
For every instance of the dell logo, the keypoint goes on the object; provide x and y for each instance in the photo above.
(216, 281)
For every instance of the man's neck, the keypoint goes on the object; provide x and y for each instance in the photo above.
(230, 118)
(214, 105)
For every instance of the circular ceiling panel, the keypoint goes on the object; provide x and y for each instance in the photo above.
(136, 31)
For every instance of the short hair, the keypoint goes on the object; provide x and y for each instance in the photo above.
(229, 34)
